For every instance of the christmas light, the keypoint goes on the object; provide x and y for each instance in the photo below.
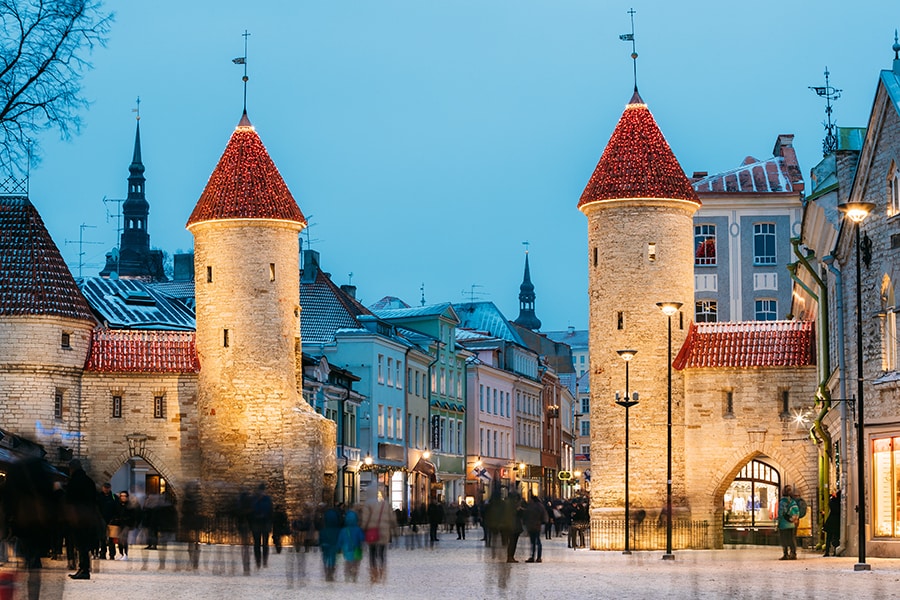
(246, 184)
(637, 163)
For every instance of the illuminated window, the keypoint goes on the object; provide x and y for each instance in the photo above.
(705, 311)
(766, 310)
(704, 245)
(886, 486)
(117, 407)
(651, 251)
(764, 243)
(888, 326)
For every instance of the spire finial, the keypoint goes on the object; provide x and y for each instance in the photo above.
(829, 144)
(242, 60)
(896, 46)
(526, 244)
(137, 108)
(629, 37)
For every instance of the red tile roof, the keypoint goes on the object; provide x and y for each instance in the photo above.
(131, 351)
(637, 162)
(246, 184)
(748, 344)
(34, 279)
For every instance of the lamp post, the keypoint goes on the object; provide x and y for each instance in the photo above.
(669, 309)
(857, 212)
(626, 355)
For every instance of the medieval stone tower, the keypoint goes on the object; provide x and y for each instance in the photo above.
(639, 206)
(254, 425)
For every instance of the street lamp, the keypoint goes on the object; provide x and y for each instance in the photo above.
(626, 355)
(857, 212)
(669, 309)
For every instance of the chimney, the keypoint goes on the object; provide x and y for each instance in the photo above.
(700, 174)
(183, 266)
(350, 290)
(310, 266)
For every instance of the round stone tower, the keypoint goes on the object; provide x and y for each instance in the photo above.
(254, 425)
(639, 206)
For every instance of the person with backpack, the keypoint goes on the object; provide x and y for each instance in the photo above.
(788, 515)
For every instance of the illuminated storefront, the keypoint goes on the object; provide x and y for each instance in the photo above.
(886, 487)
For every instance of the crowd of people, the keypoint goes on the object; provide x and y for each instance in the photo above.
(71, 518)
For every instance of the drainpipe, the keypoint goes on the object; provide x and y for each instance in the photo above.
(818, 432)
(839, 301)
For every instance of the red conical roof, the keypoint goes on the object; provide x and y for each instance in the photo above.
(34, 279)
(246, 184)
(637, 162)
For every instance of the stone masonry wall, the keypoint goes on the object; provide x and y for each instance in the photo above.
(640, 252)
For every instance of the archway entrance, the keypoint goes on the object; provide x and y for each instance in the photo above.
(139, 478)
(751, 505)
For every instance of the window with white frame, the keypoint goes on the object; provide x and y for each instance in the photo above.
(704, 245)
(459, 437)
(390, 421)
(585, 427)
(481, 397)
(894, 190)
(495, 402)
(451, 437)
(481, 441)
(889, 326)
(381, 368)
(764, 243)
(705, 311)
(585, 405)
(766, 310)
(397, 372)
(390, 371)
(381, 420)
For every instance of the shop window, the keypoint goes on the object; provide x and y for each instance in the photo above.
(752, 498)
(886, 487)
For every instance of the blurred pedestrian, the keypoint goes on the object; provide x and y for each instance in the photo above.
(378, 525)
(109, 507)
(328, 540)
(261, 525)
(462, 518)
(29, 511)
(832, 525)
(350, 541)
(83, 516)
(513, 524)
(534, 516)
(192, 522)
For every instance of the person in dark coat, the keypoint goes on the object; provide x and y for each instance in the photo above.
(832, 525)
(435, 518)
(83, 516)
(534, 516)
(192, 522)
(261, 525)
(30, 515)
(109, 507)
(513, 512)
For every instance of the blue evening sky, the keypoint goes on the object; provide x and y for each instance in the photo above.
(425, 140)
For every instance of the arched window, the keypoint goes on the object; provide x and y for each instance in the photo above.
(893, 182)
(752, 498)
(888, 326)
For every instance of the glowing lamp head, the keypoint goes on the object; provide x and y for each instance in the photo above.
(626, 354)
(368, 460)
(669, 308)
(856, 211)
(521, 466)
(427, 454)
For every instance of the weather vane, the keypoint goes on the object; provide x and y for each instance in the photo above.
(526, 244)
(242, 60)
(829, 144)
(629, 37)
(137, 108)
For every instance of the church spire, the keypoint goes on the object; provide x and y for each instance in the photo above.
(526, 317)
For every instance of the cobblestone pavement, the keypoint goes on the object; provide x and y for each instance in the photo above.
(467, 570)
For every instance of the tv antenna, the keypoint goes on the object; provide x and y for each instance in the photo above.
(473, 293)
(422, 290)
(306, 232)
(829, 144)
(118, 218)
(81, 243)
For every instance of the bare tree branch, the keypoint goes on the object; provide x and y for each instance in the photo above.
(43, 44)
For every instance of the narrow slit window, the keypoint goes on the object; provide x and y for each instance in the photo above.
(225, 339)
(117, 407)
(58, 405)
(729, 402)
(595, 256)
(159, 407)
(651, 251)
(620, 320)
(208, 274)
(785, 402)
(271, 271)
